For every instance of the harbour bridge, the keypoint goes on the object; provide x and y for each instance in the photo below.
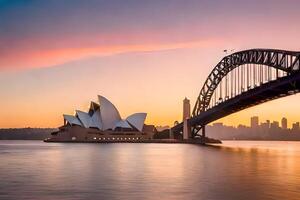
(242, 80)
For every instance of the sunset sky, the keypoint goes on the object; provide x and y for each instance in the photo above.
(143, 55)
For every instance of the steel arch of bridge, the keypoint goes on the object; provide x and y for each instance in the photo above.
(286, 61)
(206, 111)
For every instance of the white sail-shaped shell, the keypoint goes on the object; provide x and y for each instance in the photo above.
(84, 118)
(72, 120)
(105, 116)
(96, 121)
(109, 113)
(137, 120)
(122, 124)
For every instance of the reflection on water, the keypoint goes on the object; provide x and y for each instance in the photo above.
(233, 170)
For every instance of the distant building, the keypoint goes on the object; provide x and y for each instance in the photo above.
(295, 126)
(274, 125)
(218, 124)
(265, 125)
(284, 123)
(254, 121)
(268, 123)
(264, 128)
(240, 126)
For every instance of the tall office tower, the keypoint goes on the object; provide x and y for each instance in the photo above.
(284, 123)
(254, 122)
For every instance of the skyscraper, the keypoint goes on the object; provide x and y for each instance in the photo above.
(284, 123)
(254, 122)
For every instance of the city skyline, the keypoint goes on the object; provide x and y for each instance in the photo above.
(138, 54)
(255, 122)
(266, 130)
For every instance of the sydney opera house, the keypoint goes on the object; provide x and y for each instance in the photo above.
(103, 123)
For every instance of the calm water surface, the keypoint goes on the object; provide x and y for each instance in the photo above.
(235, 170)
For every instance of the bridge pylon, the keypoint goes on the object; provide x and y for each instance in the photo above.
(186, 130)
(203, 134)
(186, 117)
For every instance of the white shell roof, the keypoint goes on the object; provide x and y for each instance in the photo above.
(72, 120)
(122, 124)
(109, 113)
(84, 118)
(137, 120)
(96, 120)
(106, 116)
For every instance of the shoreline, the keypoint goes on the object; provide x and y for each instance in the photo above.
(164, 141)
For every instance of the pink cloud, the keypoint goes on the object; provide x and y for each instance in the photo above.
(28, 57)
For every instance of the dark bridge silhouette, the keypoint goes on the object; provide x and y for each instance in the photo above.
(242, 80)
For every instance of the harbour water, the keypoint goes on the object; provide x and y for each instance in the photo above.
(234, 170)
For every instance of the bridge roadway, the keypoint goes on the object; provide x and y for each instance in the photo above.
(275, 89)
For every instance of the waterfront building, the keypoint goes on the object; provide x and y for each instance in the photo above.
(102, 122)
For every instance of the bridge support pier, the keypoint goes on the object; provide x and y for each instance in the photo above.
(186, 130)
(203, 134)
(171, 134)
